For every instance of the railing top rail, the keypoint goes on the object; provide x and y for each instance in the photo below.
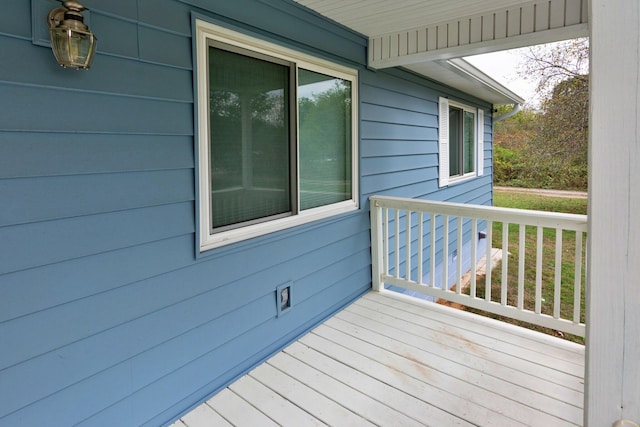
(510, 215)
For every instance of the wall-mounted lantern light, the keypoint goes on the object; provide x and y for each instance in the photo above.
(72, 42)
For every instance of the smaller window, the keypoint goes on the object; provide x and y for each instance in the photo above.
(462, 141)
(461, 149)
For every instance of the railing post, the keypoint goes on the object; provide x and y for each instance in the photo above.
(376, 245)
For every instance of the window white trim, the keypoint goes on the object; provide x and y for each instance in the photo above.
(444, 179)
(206, 32)
(480, 142)
(443, 142)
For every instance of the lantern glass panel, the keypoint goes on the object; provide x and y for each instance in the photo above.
(73, 48)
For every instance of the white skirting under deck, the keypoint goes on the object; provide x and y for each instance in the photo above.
(391, 360)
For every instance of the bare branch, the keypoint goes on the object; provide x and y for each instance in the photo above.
(548, 65)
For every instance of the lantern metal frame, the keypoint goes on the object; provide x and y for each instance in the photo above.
(72, 42)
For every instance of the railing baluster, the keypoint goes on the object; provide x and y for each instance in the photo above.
(474, 256)
(408, 246)
(521, 247)
(420, 245)
(558, 274)
(459, 258)
(505, 262)
(432, 283)
(397, 243)
(487, 279)
(445, 253)
(577, 289)
(385, 240)
(539, 245)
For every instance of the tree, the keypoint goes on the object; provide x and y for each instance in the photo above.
(548, 148)
(565, 120)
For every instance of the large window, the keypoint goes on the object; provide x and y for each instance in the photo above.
(276, 134)
(461, 135)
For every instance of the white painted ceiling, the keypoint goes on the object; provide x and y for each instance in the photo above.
(372, 17)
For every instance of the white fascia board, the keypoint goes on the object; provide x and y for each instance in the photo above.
(461, 66)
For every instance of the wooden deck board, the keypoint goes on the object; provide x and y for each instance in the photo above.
(266, 400)
(356, 400)
(465, 380)
(558, 348)
(319, 406)
(453, 350)
(237, 410)
(538, 358)
(203, 416)
(379, 390)
(389, 360)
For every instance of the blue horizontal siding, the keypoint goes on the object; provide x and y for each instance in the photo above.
(225, 359)
(122, 39)
(164, 322)
(388, 114)
(38, 289)
(34, 244)
(265, 18)
(419, 190)
(121, 8)
(164, 48)
(79, 195)
(110, 74)
(402, 101)
(387, 147)
(16, 20)
(171, 357)
(377, 165)
(52, 154)
(107, 317)
(337, 293)
(377, 130)
(163, 289)
(373, 184)
(93, 113)
(168, 15)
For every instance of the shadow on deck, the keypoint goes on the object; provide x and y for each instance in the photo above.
(393, 360)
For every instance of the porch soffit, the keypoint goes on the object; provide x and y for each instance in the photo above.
(404, 32)
(418, 33)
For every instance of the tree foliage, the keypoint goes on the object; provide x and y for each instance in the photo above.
(547, 147)
(565, 121)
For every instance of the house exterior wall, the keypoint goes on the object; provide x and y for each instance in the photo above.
(107, 316)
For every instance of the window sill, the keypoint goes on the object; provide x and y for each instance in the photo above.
(212, 241)
(459, 179)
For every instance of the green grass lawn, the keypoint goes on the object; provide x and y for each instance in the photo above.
(539, 203)
(544, 203)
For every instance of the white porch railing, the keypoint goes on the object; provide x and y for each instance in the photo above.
(418, 244)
